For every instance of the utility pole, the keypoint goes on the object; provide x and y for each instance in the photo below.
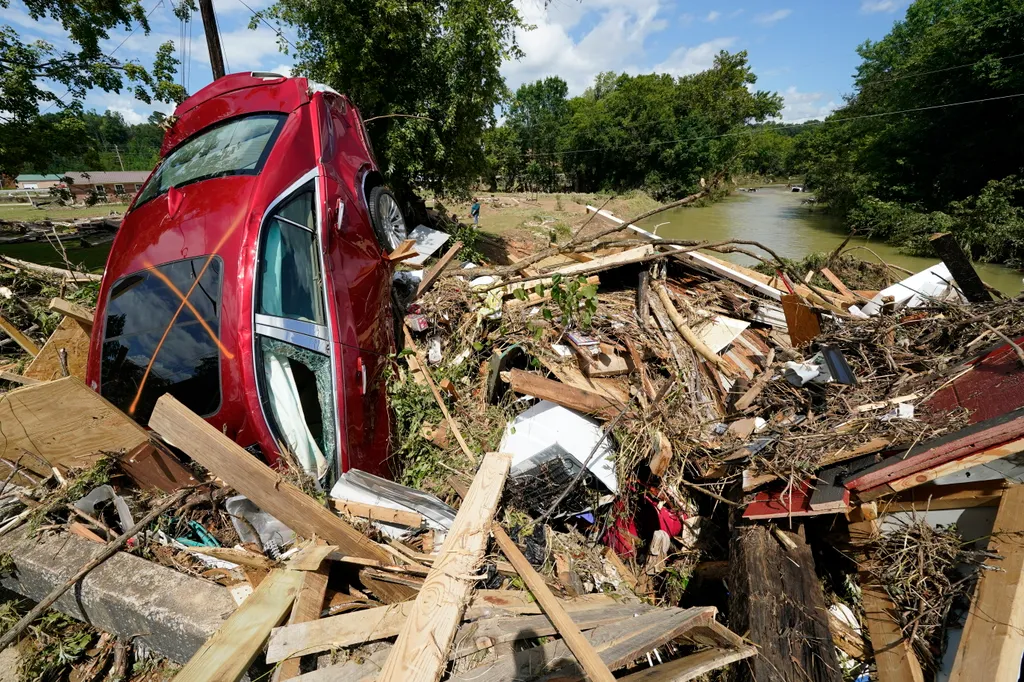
(119, 161)
(212, 38)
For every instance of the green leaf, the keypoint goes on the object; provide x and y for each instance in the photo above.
(520, 294)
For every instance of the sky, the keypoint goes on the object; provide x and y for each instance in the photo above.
(803, 49)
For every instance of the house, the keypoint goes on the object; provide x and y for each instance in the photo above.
(107, 184)
(35, 181)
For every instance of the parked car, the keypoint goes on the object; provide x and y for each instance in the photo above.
(249, 277)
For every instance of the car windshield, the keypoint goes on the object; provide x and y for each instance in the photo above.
(238, 147)
(155, 344)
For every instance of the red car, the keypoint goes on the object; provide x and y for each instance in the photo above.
(249, 277)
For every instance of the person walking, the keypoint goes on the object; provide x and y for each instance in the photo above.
(474, 211)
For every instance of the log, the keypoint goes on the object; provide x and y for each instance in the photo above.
(964, 274)
(689, 336)
(571, 397)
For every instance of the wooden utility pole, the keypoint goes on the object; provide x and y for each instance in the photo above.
(212, 38)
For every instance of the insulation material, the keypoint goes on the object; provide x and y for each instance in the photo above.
(427, 242)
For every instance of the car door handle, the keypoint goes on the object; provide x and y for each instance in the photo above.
(361, 372)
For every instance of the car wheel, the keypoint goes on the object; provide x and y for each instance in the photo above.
(387, 219)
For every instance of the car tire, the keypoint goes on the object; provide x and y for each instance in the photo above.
(387, 219)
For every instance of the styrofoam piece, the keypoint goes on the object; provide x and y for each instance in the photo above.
(931, 283)
(428, 240)
(546, 429)
(358, 486)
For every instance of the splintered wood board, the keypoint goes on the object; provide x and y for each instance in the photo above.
(993, 639)
(227, 655)
(70, 336)
(420, 653)
(65, 423)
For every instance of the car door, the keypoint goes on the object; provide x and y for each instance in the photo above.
(360, 279)
(294, 363)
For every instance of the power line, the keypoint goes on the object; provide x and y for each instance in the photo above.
(918, 74)
(276, 30)
(778, 127)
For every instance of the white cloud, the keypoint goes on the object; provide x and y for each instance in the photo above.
(614, 43)
(130, 116)
(873, 6)
(243, 49)
(805, 106)
(735, 13)
(772, 17)
(688, 60)
(712, 16)
(686, 19)
(283, 69)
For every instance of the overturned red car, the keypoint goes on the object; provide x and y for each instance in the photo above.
(249, 277)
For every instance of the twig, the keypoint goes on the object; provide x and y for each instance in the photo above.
(1007, 339)
(110, 550)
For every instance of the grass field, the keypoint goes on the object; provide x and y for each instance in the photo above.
(26, 213)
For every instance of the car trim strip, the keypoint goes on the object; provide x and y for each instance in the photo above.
(289, 324)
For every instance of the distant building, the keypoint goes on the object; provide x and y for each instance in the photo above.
(108, 184)
(33, 181)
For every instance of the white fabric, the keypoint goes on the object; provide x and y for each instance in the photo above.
(287, 408)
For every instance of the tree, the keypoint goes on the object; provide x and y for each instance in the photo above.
(439, 61)
(535, 116)
(27, 67)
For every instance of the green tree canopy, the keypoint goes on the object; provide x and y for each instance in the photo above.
(436, 60)
(35, 74)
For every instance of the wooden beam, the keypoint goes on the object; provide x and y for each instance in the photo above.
(776, 600)
(377, 513)
(984, 457)
(571, 397)
(431, 276)
(227, 655)
(846, 638)
(404, 251)
(581, 648)
(955, 496)
(190, 433)
(838, 284)
(894, 656)
(964, 274)
(27, 344)
(18, 379)
(420, 653)
(307, 607)
(79, 314)
(692, 666)
(992, 643)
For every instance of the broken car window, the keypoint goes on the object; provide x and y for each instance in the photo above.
(239, 147)
(289, 273)
(146, 346)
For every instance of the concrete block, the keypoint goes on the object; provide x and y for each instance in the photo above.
(130, 597)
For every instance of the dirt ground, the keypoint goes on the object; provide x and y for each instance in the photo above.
(546, 213)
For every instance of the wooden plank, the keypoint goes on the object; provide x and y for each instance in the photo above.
(404, 251)
(153, 468)
(377, 513)
(992, 643)
(955, 496)
(567, 396)
(242, 557)
(69, 336)
(964, 274)
(80, 314)
(27, 344)
(693, 666)
(188, 432)
(803, 323)
(421, 650)
(846, 638)
(617, 645)
(894, 656)
(310, 557)
(431, 276)
(227, 655)
(838, 284)
(978, 458)
(383, 622)
(306, 608)
(953, 446)
(18, 379)
(488, 632)
(65, 423)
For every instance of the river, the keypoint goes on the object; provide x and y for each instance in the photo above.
(778, 219)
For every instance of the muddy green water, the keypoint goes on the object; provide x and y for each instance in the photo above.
(777, 218)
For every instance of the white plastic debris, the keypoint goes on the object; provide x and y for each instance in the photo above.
(269, 531)
(934, 283)
(105, 493)
(547, 430)
(815, 369)
(358, 486)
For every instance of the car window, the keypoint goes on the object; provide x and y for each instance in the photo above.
(238, 147)
(147, 351)
(299, 398)
(290, 283)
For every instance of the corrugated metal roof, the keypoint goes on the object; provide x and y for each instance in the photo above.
(35, 177)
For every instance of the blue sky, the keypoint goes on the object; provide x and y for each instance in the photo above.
(803, 49)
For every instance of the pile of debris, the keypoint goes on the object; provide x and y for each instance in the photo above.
(77, 232)
(700, 465)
